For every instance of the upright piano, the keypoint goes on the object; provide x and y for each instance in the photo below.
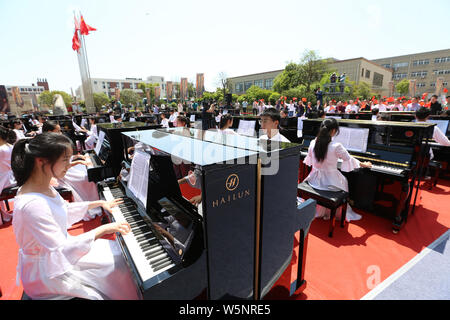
(237, 242)
(397, 151)
(107, 158)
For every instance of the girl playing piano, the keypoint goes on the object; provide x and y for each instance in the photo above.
(323, 156)
(53, 264)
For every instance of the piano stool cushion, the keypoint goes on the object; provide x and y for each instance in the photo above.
(9, 192)
(328, 199)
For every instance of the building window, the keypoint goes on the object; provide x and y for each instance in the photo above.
(362, 72)
(401, 65)
(421, 62)
(259, 83)
(442, 60)
(247, 85)
(445, 84)
(433, 84)
(377, 79)
(398, 76)
(239, 87)
(421, 85)
(368, 74)
(95, 82)
(387, 66)
(269, 84)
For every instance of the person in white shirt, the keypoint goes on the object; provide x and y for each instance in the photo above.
(397, 106)
(331, 108)
(352, 107)
(381, 106)
(270, 123)
(413, 106)
(323, 156)
(6, 174)
(52, 264)
(291, 109)
(164, 121)
(173, 116)
(180, 108)
(422, 115)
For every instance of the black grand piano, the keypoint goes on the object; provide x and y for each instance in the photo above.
(237, 242)
(391, 187)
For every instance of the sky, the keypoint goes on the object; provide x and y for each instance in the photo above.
(174, 39)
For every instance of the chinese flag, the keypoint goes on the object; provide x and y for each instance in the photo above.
(304, 99)
(85, 28)
(77, 24)
(424, 96)
(445, 90)
(76, 42)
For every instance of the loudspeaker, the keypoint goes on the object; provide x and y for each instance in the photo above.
(229, 98)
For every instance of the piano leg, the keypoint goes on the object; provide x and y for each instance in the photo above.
(401, 212)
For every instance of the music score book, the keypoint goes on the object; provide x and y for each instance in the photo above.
(98, 146)
(353, 139)
(246, 128)
(139, 171)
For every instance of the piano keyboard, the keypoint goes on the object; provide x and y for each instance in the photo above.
(147, 253)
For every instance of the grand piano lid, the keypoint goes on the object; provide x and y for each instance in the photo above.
(194, 151)
(231, 140)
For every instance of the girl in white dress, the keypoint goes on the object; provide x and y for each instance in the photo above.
(6, 174)
(53, 264)
(323, 156)
(76, 178)
(92, 134)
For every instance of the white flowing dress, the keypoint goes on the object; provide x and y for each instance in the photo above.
(326, 176)
(55, 265)
(76, 180)
(6, 174)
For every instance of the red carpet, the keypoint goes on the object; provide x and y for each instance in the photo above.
(338, 268)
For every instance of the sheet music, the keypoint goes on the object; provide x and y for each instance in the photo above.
(77, 127)
(192, 118)
(98, 146)
(138, 179)
(441, 124)
(225, 111)
(353, 139)
(246, 128)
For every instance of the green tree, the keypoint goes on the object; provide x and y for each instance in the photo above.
(46, 98)
(403, 87)
(100, 99)
(363, 91)
(309, 72)
(273, 98)
(128, 96)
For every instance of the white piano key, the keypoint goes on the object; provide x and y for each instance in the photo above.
(145, 270)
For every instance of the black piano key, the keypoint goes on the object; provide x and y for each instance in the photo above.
(148, 248)
(162, 266)
(153, 254)
(141, 230)
(159, 262)
(144, 237)
(150, 243)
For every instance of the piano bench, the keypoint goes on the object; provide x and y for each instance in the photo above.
(8, 193)
(332, 200)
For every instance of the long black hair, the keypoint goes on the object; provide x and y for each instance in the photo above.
(49, 126)
(7, 135)
(47, 145)
(324, 138)
(224, 120)
(184, 120)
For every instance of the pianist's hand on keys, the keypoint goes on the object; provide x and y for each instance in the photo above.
(110, 228)
(108, 205)
(367, 164)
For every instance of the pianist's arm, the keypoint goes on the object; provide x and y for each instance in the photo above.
(440, 137)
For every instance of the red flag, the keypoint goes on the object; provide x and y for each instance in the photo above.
(76, 42)
(85, 28)
(304, 99)
(445, 90)
(424, 96)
